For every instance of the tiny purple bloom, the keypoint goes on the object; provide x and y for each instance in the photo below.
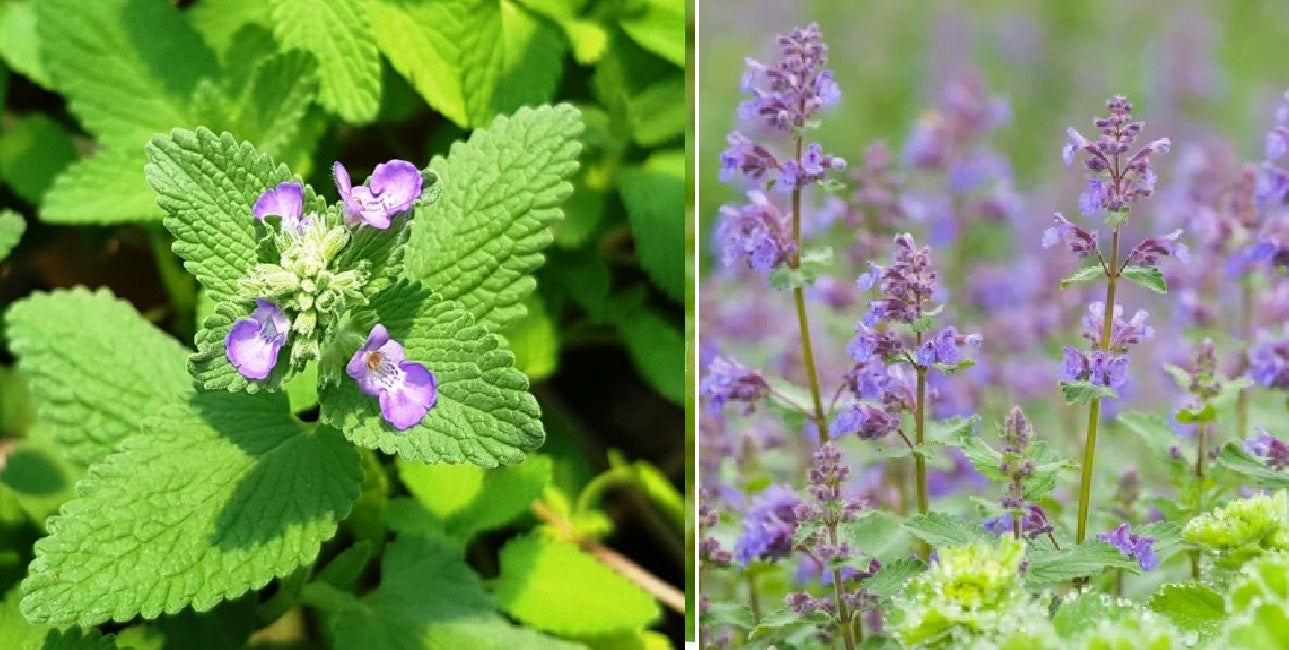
(286, 201)
(1270, 448)
(406, 389)
(253, 343)
(1138, 547)
(768, 525)
(393, 187)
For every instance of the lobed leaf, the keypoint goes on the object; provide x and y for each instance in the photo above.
(94, 385)
(217, 496)
(484, 413)
(480, 242)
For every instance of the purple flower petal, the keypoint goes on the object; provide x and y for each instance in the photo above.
(286, 200)
(253, 343)
(406, 390)
(406, 403)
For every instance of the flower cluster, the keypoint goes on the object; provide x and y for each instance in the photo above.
(1113, 182)
(1138, 547)
(1270, 448)
(300, 300)
(1269, 362)
(790, 91)
(768, 525)
(709, 549)
(730, 381)
(1015, 465)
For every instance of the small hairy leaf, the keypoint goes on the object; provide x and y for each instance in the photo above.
(339, 34)
(467, 499)
(12, 226)
(217, 496)
(480, 242)
(1193, 607)
(942, 529)
(1085, 274)
(96, 384)
(1085, 392)
(877, 533)
(1152, 429)
(553, 585)
(1049, 567)
(106, 187)
(1146, 276)
(484, 415)
(207, 184)
(427, 598)
(891, 578)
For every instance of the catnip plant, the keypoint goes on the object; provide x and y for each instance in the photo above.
(852, 491)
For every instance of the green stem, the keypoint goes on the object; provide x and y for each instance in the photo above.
(753, 602)
(1246, 326)
(1094, 409)
(919, 461)
(843, 612)
(803, 322)
(1200, 452)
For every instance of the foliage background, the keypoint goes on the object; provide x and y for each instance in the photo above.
(84, 85)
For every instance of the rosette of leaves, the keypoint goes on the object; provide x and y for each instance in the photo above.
(200, 488)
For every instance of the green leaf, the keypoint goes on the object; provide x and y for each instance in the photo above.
(654, 195)
(427, 598)
(470, 59)
(554, 586)
(877, 533)
(534, 341)
(94, 384)
(207, 184)
(659, 112)
(941, 529)
(658, 26)
(40, 477)
(1196, 414)
(1076, 617)
(1085, 274)
(502, 190)
(1152, 429)
(465, 499)
(220, 22)
(33, 149)
(984, 458)
(1238, 460)
(657, 347)
(107, 187)
(722, 614)
(1085, 392)
(1192, 607)
(1168, 538)
(339, 35)
(216, 497)
(1146, 276)
(346, 568)
(19, 43)
(267, 107)
(128, 68)
(891, 578)
(951, 430)
(12, 226)
(484, 413)
(1049, 567)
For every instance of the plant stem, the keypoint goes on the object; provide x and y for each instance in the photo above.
(753, 602)
(919, 461)
(843, 612)
(1094, 409)
(1246, 326)
(1016, 524)
(1200, 452)
(803, 322)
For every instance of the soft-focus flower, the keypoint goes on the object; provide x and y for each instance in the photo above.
(253, 343)
(746, 157)
(754, 232)
(406, 389)
(1081, 241)
(1138, 547)
(1033, 522)
(730, 381)
(1122, 333)
(392, 189)
(907, 286)
(943, 348)
(768, 525)
(864, 420)
(1269, 363)
(286, 200)
(1148, 252)
(1099, 367)
(1270, 448)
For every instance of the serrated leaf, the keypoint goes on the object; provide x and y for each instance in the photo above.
(220, 21)
(1085, 274)
(1085, 392)
(1167, 535)
(207, 184)
(722, 614)
(267, 107)
(941, 529)
(950, 430)
(470, 59)
(76, 640)
(890, 579)
(33, 149)
(106, 187)
(339, 35)
(1049, 567)
(427, 598)
(1192, 607)
(19, 44)
(127, 68)
(1237, 460)
(94, 385)
(12, 226)
(1146, 276)
(465, 499)
(654, 196)
(216, 497)
(502, 190)
(658, 26)
(484, 413)
(554, 586)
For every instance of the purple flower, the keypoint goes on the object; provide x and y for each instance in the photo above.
(393, 188)
(1115, 179)
(906, 286)
(728, 380)
(1148, 252)
(1033, 523)
(1269, 363)
(1138, 547)
(1122, 333)
(812, 169)
(864, 420)
(768, 525)
(943, 348)
(870, 343)
(1082, 242)
(788, 93)
(406, 390)
(286, 201)
(253, 343)
(754, 231)
(1270, 448)
(1099, 367)
(746, 157)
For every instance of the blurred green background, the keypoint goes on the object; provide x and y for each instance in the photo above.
(1191, 68)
